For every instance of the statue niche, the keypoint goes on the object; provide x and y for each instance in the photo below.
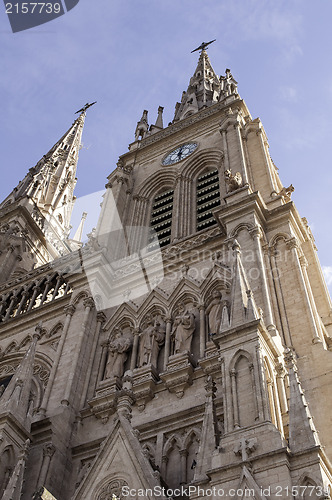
(183, 329)
(151, 340)
(218, 313)
(119, 346)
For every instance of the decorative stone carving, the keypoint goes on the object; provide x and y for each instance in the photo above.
(103, 405)
(151, 340)
(233, 182)
(117, 353)
(245, 447)
(112, 490)
(211, 362)
(286, 192)
(178, 375)
(183, 329)
(144, 382)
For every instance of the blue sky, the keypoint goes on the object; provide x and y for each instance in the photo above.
(131, 55)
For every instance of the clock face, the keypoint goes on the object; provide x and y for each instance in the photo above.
(179, 153)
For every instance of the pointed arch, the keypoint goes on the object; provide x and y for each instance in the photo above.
(202, 159)
(279, 236)
(243, 389)
(171, 442)
(84, 294)
(236, 357)
(244, 226)
(27, 340)
(187, 296)
(152, 186)
(57, 328)
(193, 433)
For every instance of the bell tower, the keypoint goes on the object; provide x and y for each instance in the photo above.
(221, 348)
(186, 351)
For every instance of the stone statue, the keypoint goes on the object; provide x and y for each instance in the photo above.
(286, 192)
(214, 312)
(183, 329)
(117, 354)
(233, 182)
(228, 83)
(151, 340)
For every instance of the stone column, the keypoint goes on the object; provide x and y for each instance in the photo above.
(222, 182)
(183, 466)
(11, 305)
(133, 360)
(277, 406)
(104, 352)
(46, 290)
(263, 402)
(237, 127)
(36, 291)
(226, 397)
(236, 422)
(272, 403)
(168, 320)
(22, 302)
(202, 330)
(281, 388)
(101, 318)
(48, 452)
(254, 391)
(69, 311)
(57, 286)
(178, 209)
(88, 306)
(256, 235)
(164, 461)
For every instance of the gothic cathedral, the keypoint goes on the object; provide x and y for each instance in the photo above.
(185, 349)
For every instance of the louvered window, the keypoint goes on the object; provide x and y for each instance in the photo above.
(161, 219)
(208, 198)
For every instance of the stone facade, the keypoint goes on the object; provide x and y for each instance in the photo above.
(194, 356)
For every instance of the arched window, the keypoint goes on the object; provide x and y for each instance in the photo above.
(208, 198)
(161, 219)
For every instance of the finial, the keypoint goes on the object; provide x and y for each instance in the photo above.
(203, 45)
(85, 107)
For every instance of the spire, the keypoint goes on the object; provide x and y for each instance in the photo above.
(50, 183)
(302, 432)
(16, 398)
(205, 87)
(210, 434)
(79, 232)
(14, 487)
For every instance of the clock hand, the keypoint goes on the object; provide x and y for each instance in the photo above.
(180, 152)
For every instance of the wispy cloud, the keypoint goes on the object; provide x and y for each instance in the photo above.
(289, 94)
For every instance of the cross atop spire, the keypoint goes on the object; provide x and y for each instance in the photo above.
(85, 107)
(203, 45)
